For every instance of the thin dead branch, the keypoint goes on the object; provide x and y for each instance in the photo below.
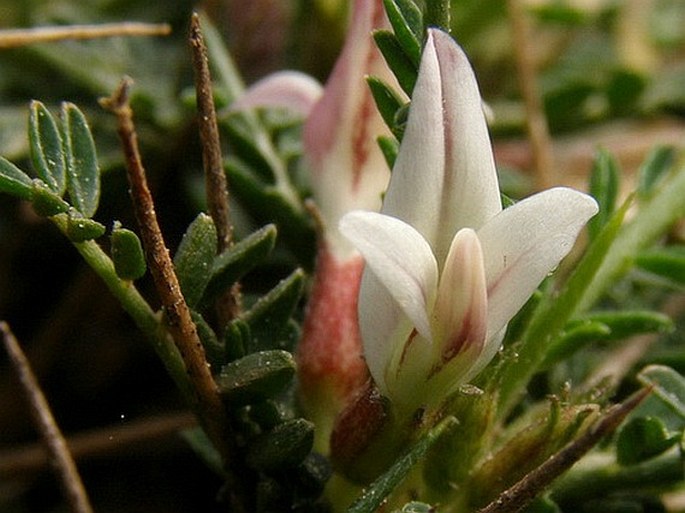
(517, 497)
(15, 38)
(59, 455)
(215, 178)
(209, 406)
(216, 186)
(109, 441)
(536, 121)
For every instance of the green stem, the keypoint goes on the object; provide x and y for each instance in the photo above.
(438, 14)
(593, 276)
(656, 216)
(135, 305)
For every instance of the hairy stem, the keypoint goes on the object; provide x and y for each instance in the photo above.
(177, 313)
(215, 178)
(216, 187)
(438, 14)
(135, 305)
(521, 494)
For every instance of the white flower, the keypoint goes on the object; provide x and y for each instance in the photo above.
(346, 167)
(446, 267)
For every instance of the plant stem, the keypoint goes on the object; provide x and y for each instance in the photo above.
(207, 401)
(135, 305)
(600, 475)
(600, 268)
(229, 79)
(216, 187)
(24, 37)
(514, 499)
(59, 454)
(438, 14)
(536, 122)
(656, 216)
(25, 461)
(215, 178)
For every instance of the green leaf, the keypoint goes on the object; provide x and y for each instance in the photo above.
(668, 387)
(657, 163)
(127, 253)
(624, 90)
(45, 143)
(551, 316)
(390, 148)
(519, 323)
(604, 326)
(46, 202)
(269, 316)
(626, 323)
(573, 339)
(242, 134)
(284, 447)
(14, 181)
(256, 377)
(387, 100)
(655, 217)
(232, 264)
(398, 61)
(641, 439)
(604, 184)
(406, 20)
(266, 414)
(668, 262)
(81, 229)
(237, 338)
(560, 13)
(214, 349)
(194, 258)
(376, 493)
(412, 16)
(417, 507)
(83, 175)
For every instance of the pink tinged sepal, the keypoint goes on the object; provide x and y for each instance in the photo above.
(347, 168)
(329, 354)
(291, 90)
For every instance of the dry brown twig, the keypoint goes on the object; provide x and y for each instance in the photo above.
(15, 38)
(109, 441)
(215, 178)
(59, 455)
(521, 494)
(209, 405)
(216, 186)
(536, 121)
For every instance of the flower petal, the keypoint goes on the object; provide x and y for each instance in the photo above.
(461, 308)
(444, 178)
(400, 258)
(525, 242)
(347, 168)
(290, 90)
